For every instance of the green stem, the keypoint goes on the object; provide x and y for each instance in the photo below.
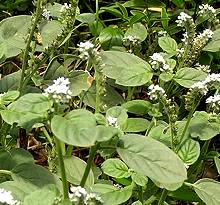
(130, 93)
(6, 172)
(62, 169)
(140, 194)
(26, 52)
(163, 197)
(47, 136)
(186, 125)
(92, 153)
(69, 150)
(98, 85)
(150, 200)
(3, 132)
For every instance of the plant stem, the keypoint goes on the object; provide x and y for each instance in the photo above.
(130, 93)
(69, 150)
(140, 194)
(26, 52)
(92, 153)
(98, 87)
(150, 200)
(3, 132)
(6, 172)
(47, 136)
(163, 197)
(62, 168)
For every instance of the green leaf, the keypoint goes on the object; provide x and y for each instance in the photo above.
(86, 18)
(111, 37)
(135, 125)
(115, 168)
(139, 179)
(137, 30)
(79, 128)
(208, 190)
(137, 203)
(167, 44)
(164, 18)
(201, 127)
(32, 177)
(79, 82)
(217, 164)
(8, 97)
(179, 3)
(13, 32)
(49, 194)
(111, 195)
(49, 32)
(166, 77)
(150, 158)
(75, 168)
(188, 76)
(214, 44)
(10, 82)
(189, 151)
(138, 107)
(127, 69)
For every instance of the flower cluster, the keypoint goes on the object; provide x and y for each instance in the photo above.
(46, 14)
(157, 61)
(112, 121)
(87, 49)
(7, 198)
(2, 94)
(200, 87)
(205, 35)
(162, 33)
(155, 91)
(206, 9)
(214, 102)
(59, 90)
(65, 7)
(183, 19)
(133, 40)
(80, 196)
(204, 68)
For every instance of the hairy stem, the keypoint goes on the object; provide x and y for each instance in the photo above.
(26, 52)
(163, 197)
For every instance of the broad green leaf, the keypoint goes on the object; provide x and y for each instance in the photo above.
(167, 44)
(49, 32)
(136, 125)
(188, 76)
(217, 164)
(14, 157)
(79, 128)
(208, 190)
(32, 177)
(164, 18)
(111, 37)
(166, 77)
(86, 18)
(109, 99)
(79, 82)
(10, 82)
(112, 195)
(46, 196)
(9, 96)
(150, 158)
(13, 32)
(138, 107)
(214, 44)
(201, 127)
(127, 69)
(137, 30)
(117, 112)
(139, 179)
(189, 151)
(115, 168)
(31, 102)
(161, 133)
(75, 168)
(137, 203)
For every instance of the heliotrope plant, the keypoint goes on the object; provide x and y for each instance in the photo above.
(119, 113)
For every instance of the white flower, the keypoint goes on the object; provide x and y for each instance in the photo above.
(212, 78)
(201, 87)
(92, 197)
(205, 8)
(60, 90)
(65, 7)
(180, 52)
(132, 39)
(157, 61)
(214, 102)
(2, 94)
(7, 198)
(155, 91)
(162, 33)
(112, 121)
(204, 68)
(78, 191)
(206, 34)
(85, 49)
(185, 37)
(182, 19)
(46, 14)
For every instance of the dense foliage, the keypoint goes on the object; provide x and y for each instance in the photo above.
(109, 102)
